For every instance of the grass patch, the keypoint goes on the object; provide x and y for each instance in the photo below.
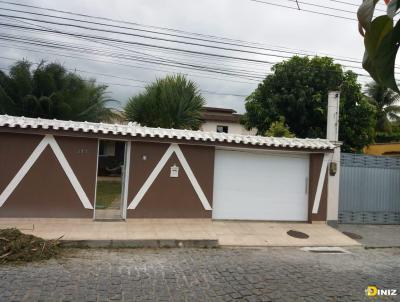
(107, 192)
(19, 247)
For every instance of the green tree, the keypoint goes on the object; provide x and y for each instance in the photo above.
(385, 101)
(171, 102)
(49, 91)
(298, 90)
(381, 41)
(279, 129)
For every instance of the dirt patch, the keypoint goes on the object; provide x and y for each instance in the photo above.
(19, 247)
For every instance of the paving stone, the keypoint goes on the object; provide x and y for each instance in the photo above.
(234, 274)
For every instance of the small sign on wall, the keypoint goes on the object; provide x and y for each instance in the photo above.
(82, 151)
(174, 171)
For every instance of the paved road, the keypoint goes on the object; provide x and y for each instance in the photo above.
(240, 274)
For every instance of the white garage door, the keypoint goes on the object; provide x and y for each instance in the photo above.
(259, 186)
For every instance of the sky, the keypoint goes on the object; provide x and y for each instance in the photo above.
(281, 30)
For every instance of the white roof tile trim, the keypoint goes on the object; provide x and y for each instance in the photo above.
(134, 129)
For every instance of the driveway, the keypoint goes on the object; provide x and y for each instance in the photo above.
(374, 235)
(226, 274)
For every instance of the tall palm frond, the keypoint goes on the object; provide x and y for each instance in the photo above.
(171, 102)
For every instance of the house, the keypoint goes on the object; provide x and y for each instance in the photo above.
(387, 149)
(223, 120)
(50, 169)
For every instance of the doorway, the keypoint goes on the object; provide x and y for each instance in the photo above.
(110, 180)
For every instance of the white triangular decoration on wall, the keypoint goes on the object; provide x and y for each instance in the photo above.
(173, 148)
(47, 140)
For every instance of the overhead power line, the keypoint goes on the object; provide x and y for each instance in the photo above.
(299, 52)
(86, 50)
(202, 67)
(175, 49)
(155, 60)
(212, 54)
(333, 8)
(215, 39)
(124, 78)
(167, 30)
(268, 62)
(130, 50)
(71, 47)
(303, 9)
(320, 6)
(124, 64)
(275, 54)
(357, 4)
(131, 42)
(146, 37)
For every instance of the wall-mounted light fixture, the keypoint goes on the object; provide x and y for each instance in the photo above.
(332, 168)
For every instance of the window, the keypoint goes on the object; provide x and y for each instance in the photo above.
(107, 148)
(222, 129)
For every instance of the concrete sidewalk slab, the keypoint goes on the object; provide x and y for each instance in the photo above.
(374, 236)
(228, 233)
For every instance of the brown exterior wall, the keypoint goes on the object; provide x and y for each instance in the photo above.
(315, 169)
(45, 191)
(81, 154)
(170, 197)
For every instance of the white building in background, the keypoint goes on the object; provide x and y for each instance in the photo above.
(224, 121)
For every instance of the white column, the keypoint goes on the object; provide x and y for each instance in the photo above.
(125, 178)
(332, 134)
(333, 188)
(332, 127)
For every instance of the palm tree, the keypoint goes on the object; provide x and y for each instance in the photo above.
(387, 106)
(171, 102)
(49, 91)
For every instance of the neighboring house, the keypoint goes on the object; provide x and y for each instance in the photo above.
(118, 117)
(49, 169)
(387, 149)
(223, 121)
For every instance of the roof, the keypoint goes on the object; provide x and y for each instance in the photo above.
(220, 115)
(136, 130)
(215, 109)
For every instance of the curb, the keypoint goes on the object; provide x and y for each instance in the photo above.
(150, 243)
(371, 247)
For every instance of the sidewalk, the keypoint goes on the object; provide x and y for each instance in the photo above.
(228, 233)
(374, 236)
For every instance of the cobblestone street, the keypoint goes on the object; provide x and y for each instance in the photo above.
(241, 274)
